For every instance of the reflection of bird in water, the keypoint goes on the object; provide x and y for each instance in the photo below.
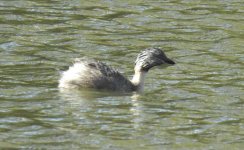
(86, 73)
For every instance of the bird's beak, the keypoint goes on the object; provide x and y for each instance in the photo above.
(168, 61)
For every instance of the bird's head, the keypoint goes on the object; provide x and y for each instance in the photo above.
(151, 57)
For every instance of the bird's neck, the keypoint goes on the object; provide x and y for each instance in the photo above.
(138, 80)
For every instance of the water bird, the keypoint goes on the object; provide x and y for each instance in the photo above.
(89, 73)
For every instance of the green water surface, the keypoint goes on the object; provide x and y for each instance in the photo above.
(196, 104)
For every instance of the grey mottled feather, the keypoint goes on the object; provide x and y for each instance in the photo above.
(101, 76)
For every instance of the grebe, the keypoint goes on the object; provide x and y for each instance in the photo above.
(88, 73)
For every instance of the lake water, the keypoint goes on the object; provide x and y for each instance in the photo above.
(196, 104)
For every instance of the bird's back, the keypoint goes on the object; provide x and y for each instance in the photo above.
(88, 73)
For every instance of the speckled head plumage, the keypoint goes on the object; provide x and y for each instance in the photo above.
(151, 57)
